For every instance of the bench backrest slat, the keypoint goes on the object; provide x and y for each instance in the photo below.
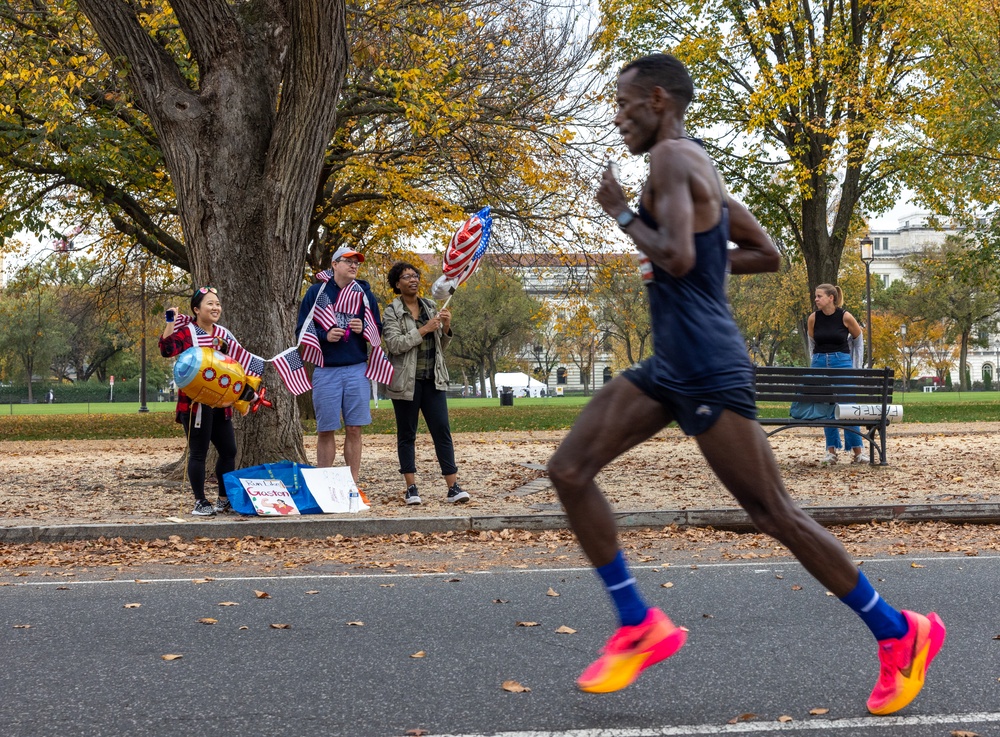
(827, 386)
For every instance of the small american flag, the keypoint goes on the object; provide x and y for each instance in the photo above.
(292, 371)
(311, 350)
(254, 365)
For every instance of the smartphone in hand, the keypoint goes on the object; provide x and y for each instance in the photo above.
(169, 315)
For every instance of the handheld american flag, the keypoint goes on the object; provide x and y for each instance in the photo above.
(292, 371)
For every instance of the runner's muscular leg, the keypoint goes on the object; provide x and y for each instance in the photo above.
(738, 451)
(619, 417)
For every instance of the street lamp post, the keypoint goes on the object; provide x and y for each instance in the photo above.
(868, 255)
(142, 339)
(996, 366)
(906, 359)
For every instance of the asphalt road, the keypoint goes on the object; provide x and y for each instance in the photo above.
(760, 648)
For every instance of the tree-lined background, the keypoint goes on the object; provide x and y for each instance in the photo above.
(154, 146)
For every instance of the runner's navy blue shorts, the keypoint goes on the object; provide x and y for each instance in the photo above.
(694, 414)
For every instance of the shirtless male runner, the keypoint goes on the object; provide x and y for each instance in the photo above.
(700, 376)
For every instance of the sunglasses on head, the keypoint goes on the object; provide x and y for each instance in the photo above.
(206, 290)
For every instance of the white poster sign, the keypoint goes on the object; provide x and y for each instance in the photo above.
(334, 489)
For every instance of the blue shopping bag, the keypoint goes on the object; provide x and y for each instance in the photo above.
(287, 472)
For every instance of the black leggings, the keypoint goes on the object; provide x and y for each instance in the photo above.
(432, 402)
(218, 431)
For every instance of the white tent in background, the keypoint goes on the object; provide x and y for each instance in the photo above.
(520, 383)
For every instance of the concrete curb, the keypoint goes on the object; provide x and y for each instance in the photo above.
(318, 526)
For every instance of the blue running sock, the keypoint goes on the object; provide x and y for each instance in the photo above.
(620, 583)
(883, 620)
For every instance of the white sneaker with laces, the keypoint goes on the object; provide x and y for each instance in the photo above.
(830, 458)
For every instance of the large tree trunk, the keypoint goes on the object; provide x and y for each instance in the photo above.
(244, 151)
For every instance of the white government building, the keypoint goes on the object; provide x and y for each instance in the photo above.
(913, 234)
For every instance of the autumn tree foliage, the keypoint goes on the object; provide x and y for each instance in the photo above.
(952, 284)
(620, 307)
(955, 165)
(799, 102)
(222, 137)
(493, 319)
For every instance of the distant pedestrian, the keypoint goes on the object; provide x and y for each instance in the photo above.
(51, 396)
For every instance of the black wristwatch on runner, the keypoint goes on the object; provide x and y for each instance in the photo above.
(625, 218)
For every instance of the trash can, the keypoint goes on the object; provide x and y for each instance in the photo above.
(506, 396)
(559, 391)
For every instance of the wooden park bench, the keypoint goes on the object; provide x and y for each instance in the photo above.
(872, 387)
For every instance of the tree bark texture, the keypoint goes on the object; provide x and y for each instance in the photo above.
(244, 148)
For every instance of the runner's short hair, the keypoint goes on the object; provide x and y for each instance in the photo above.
(663, 70)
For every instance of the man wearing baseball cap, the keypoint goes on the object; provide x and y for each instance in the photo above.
(341, 391)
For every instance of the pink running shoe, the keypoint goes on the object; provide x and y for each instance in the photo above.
(630, 651)
(905, 662)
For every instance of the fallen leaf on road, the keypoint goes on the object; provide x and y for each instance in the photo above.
(202, 580)
(527, 624)
(171, 657)
(796, 587)
(22, 626)
(357, 623)
(281, 626)
(228, 603)
(784, 718)
(419, 654)
(514, 687)
(916, 565)
(551, 592)
(131, 606)
(963, 733)
(742, 718)
(244, 627)
(387, 585)
(819, 710)
(261, 594)
(564, 630)
(416, 732)
(500, 601)
(312, 591)
(208, 620)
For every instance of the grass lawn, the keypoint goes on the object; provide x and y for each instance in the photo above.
(83, 408)
(123, 420)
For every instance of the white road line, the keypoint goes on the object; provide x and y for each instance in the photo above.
(663, 567)
(758, 727)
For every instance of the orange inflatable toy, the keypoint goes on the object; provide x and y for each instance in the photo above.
(214, 379)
